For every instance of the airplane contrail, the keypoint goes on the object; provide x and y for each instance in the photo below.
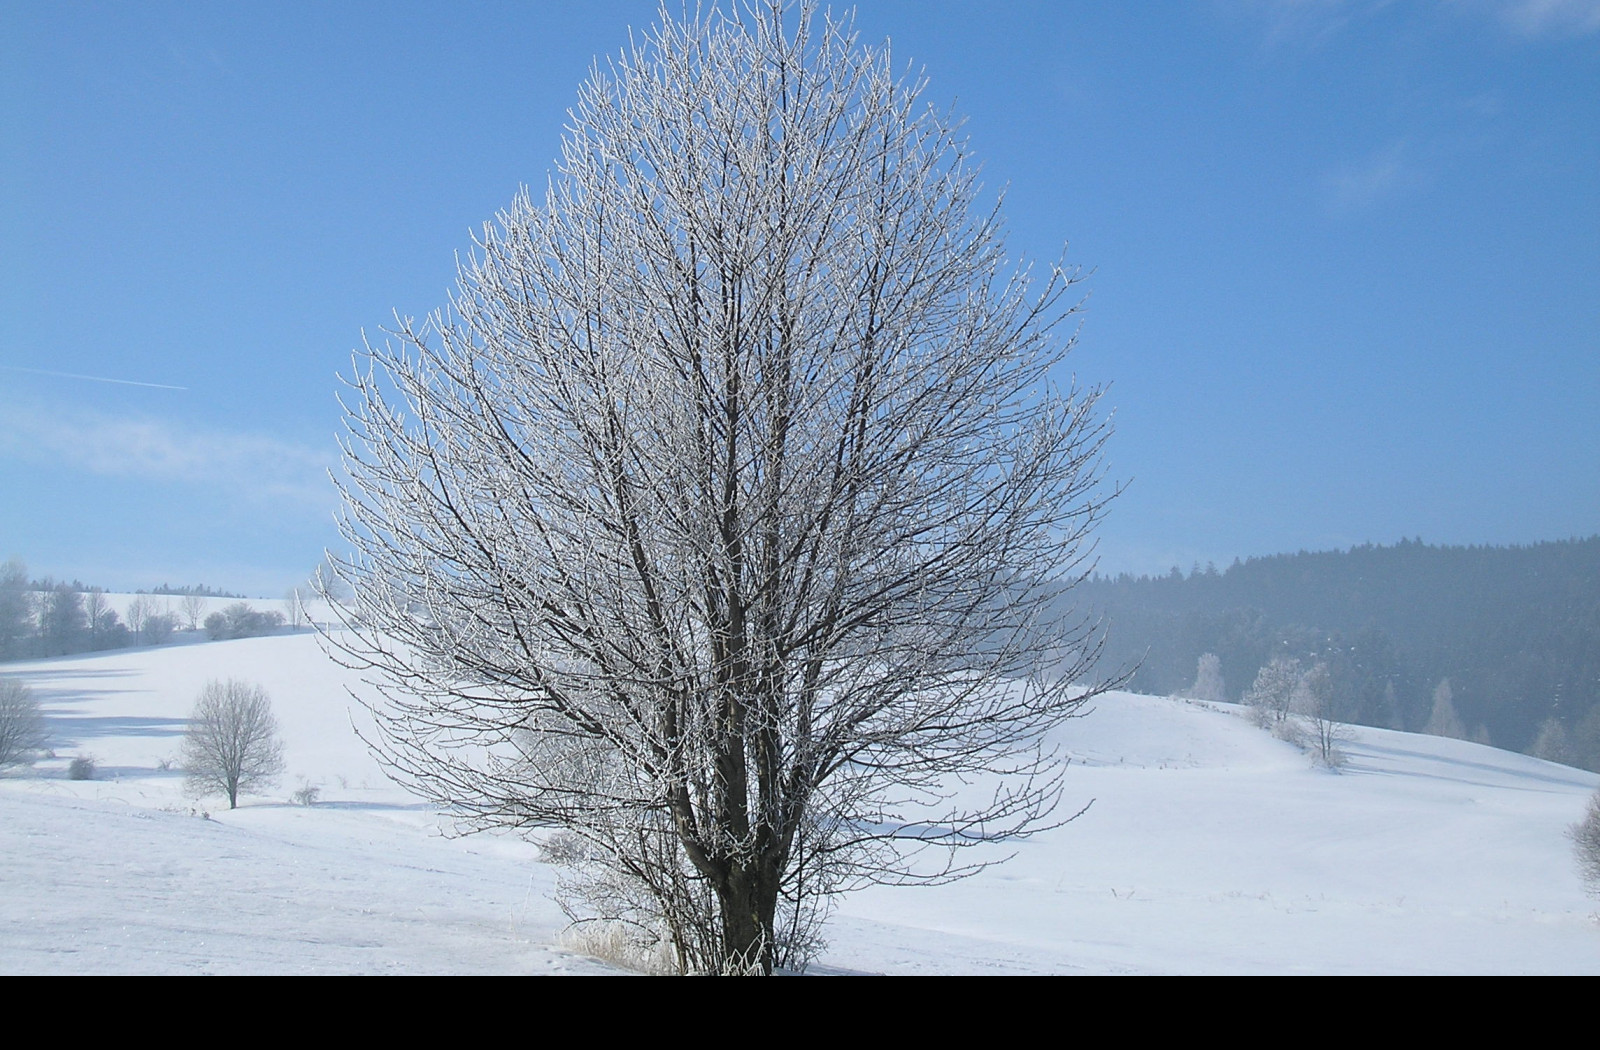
(92, 379)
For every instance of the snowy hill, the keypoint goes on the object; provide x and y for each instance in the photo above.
(1209, 847)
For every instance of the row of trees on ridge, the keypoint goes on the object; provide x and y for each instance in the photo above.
(44, 617)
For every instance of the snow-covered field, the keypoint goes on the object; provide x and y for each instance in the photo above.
(1210, 847)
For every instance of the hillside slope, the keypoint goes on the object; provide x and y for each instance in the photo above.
(1209, 847)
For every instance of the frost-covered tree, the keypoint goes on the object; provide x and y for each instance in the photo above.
(1551, 743)
(1272, 693)
(16, 609)
(1208, 683)
(1585, 741)
(22, 727)
(1444, 721)
(1586, 844)
(232, 742)
(1313, 700)
(62, 620)
(724, 519)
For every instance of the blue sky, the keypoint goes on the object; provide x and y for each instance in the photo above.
(1345, 256)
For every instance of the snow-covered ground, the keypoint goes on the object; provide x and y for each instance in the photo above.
(1210, 847)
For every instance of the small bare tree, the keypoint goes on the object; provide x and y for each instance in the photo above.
(1313, 700)
(294, 608)
(96, 611)
(726, 521)
(193, 607)
(138, 614)
(232, 744)
(22, 729)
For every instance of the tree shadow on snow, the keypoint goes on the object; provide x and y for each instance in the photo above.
(34, 675)
(73, 730)
(357, 806)
(1457, 770)
(52, 695)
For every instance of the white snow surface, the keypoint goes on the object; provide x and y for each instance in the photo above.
(1209, 847)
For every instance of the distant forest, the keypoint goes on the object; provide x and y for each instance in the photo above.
(45, 617)
(1512, 633)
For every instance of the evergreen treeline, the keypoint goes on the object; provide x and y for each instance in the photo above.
(1511, 633)
(199, 590)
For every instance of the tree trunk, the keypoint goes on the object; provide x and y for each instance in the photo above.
(749, 899)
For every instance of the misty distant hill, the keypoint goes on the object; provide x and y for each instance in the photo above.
(1514, 630)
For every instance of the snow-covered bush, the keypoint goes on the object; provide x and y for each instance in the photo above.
(240, 621)
(81, 768)
(622, 945)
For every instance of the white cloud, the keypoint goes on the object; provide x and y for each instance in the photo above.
(1364, 183)
(160, 450)
(1313, 23)
(1306, 23)
(1550, 18)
